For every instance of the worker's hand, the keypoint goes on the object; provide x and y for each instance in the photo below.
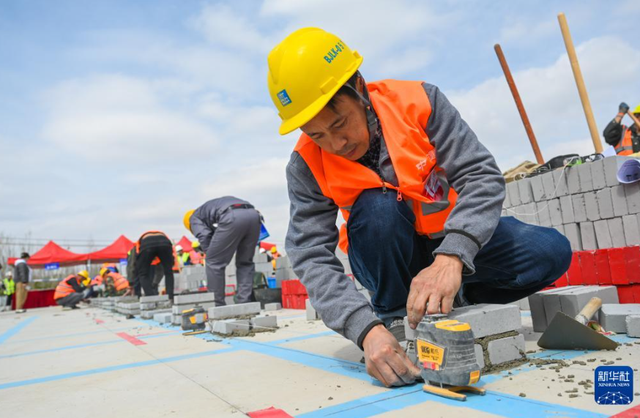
(623, 108)
(386, 360)
(434, 288)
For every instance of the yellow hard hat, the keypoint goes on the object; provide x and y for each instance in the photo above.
(305, 70)
(103, 270)
(85, 274)
(195, 244)
(636, 110)
(274, 249)
(187, 219)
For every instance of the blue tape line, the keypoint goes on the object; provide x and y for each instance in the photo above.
(16, 329)
(303, 337)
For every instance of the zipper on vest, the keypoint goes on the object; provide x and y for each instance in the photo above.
(384, 186)
(399, 198)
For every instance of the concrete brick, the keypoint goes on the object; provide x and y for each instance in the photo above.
(410, 334)
(507, 202)
(591, 205)
(506, 349)
(616, 231)
(579, 208)
(272, 307)
(163, 318)
(544, 218)
(566, 207)
(537, 188)
(312, 315)
(524, 187)
(572, 232)
(147, 306)
(633, 326)
(538, 315)
(487, 319)
(229, 311)
(228, 326)
(602, 234)
(573, 301)
(632, 193)
(551, 303)
(611, 166)
(549, 185)
(584, 174)
(524, 304)
(514, 193)
(560, 181)
(178, 309)
(554, 212)
(528, 213)
(631, 230)
(605, 203)
(479, 355)
(193, 298)
(151, 314)
(619, 200)
(588, 236)
(157, 298)
(264, 321)
(597, 175)
(613, 316)
(573, 180)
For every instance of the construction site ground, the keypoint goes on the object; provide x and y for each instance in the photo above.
(93, 363)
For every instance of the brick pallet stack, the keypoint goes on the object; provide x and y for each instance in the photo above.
(152, 305)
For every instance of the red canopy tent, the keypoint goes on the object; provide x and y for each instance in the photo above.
(53, 253)
(266, 245)
(114, 252)
(185, 244)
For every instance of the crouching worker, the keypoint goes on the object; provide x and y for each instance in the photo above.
(115, 284)
(73, 290)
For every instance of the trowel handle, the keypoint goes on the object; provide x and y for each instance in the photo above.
(590, 308)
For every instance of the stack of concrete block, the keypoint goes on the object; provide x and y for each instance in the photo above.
(151, 305)
(190, 279)
(163, 318)
(105, 303)
(614, 317)
(189, 301)
(569, 300)
(242, 317)
(230, 311)
(312, 315)
(496, 329)
(586, 203)
(128, 306)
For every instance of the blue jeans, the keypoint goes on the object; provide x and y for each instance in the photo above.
(386, 253)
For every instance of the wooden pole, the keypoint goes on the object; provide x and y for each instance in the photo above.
(582, 90)
(519, 105)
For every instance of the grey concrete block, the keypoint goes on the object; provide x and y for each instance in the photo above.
(616, 231)
(524, 304)
(591, 205)
(479, 355)
(151, 314)
(229, 311)
(538, 314)
(528, 213)
(572, 232)
(584, 174)
(579, 208)
(573, 301)
(514, 193)
(507, 201)
(573, 180)
(549, 185)
(588, 236)
(613, 316)
(272, 307)
(178, 309)
(597, 175)
(537, 188)
(193, 298)
(632, 193)
(264, 321)
(605, 203)
(163, 318)
(228, 326)
(560, 181)
(554, 212)
(619, 200)
(487, 319)
(633, 326)
(409, 333)
(311, 313)
(566, 207)
(506, 349)
(157, 298)
(544, 218)
(631, 230)
(602, 234)
(611, 166)
(524, 187)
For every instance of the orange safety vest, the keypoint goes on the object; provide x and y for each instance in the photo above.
(403, 109)
(64, 288)
(119, 281)
(625, 145)
(97, 281)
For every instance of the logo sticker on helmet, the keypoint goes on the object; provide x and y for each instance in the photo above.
(333, 53)
(284, 98)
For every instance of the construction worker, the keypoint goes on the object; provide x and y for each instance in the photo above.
(197, 255)
(225, 226)
(152, 245)
(9, 287)
(183, 257)
(73, 289)
(22, 277)
(625, 140)
(420, 194)
(274, 255)
(115, 283)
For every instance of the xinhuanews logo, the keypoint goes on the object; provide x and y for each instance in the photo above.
(613, 385)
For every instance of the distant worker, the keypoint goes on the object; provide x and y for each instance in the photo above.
(152, 245)
(22, 276)
(225, 226)
(9, 286)
(625, 140)
(274, 255)
(197, 255)
(183, 256)
(73, 290)
(115, 283)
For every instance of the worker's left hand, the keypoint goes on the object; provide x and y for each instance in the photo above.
(434, 288)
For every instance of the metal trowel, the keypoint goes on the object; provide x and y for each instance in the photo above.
(566, 333)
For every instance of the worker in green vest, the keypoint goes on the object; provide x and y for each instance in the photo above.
(9, 287)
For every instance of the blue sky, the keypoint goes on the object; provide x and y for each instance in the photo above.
(118, 116)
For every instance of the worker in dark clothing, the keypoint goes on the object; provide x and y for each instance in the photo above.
(22, 277)
(625, 140)
(225, 226)
(153, 244)
(73, 290)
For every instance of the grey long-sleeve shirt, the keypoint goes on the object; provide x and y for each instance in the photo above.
(208, 214)
(313, 236)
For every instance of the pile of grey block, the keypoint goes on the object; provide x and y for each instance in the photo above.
(105, 303)
(128, 306)
(152, 305)
(190, 278)
(189, 301)
(586, 203)
(621, 319)
(241, 317)
(569, 300)
(489, 323)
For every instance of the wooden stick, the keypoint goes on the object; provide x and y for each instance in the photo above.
(519, 105)
(582, 90)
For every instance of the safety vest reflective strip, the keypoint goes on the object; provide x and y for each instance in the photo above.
(403, 108)
(64, 288)
(9, 287)
(625, 145)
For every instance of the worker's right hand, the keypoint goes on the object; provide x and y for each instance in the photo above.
(623, 108)
(386, 360)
